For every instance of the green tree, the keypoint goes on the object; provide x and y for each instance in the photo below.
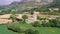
(38, 17)
(58, 22)
(25, 17)
(13, 17)
(53, 22)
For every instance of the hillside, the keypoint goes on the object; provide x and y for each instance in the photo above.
(25, 5)
(55, 4)
(22, 5)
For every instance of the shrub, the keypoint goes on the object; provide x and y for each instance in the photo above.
(13, 17)
(38, 17)
(24, 17)
(53, 22)
(36, 24)
(58, 22)
(30, 31)
(16, 28)
(46, 24)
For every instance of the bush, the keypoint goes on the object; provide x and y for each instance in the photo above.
(58, 22)
(24, 17)
(30, 31)
(16, 28)
(53, 22)
(13, 17)
(38, 17)
(46, 25)
(36, 24)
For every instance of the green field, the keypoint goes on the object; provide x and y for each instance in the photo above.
(46, 30)
(42, 30)
(4, 30)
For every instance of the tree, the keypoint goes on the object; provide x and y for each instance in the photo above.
(53, 22)
(38, 17)
(58, 22)
(13, 17)
(25, 17)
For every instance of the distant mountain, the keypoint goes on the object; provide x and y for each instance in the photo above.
(47, 1)
(55, 4)
(24, 4)
(19, 6)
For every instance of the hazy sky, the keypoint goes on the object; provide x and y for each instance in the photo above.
(6, 2)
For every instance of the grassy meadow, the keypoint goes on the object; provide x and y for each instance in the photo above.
(4, 30)
(42, 30)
